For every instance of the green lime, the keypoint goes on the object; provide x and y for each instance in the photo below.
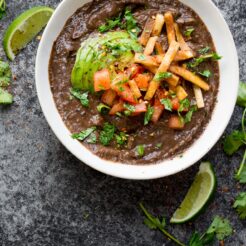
(24, 28)
(198, 195)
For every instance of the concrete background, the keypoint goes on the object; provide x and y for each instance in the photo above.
(47, 197)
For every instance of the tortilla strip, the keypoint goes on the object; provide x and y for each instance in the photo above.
(159, 22)
(166, 62)
(159, 49)
(144, 38)
(148, 61)
(181, 93)
(180, 38)
(198, 96)
(189, 76)
(183, 55)
(170, 27)
(150, 46)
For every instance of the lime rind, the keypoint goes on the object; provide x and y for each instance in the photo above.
(198, 195)
(20, 25)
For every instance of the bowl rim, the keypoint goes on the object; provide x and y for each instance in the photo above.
(123, 170)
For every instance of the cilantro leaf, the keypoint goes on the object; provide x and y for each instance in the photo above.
(107, 134)
(92, 139)
(241, 173)
(167, 104)
(83, 97)
(103, 108)
(188, 32)
(121, 139)
(198, 240)
(84, 134)
(161, 76)
(2, 8)
(154, 223)
(129, 107)
(148, 115)
(221, 227)
(140, 150)
(204, 50)
(197, 61)
(5, 73)
(110, 24)
(241, 98)
(206, 73)
(233, 142)
(184, 104)
(240, 205)
(189, 115)
(131, 24)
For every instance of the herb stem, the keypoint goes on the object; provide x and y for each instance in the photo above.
(242, 165)
(243, 125)
(161, 229)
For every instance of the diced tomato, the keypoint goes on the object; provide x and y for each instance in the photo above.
(175, 103)
(161, 93)
(142, 81)
(134, 70)
(102, 80)
(175, 123)
(117, 108)
(108, 97)
(123, 90)
(158, 110)
(139, 108)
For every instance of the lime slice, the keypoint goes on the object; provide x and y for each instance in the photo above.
(198, 195)
(24, 28)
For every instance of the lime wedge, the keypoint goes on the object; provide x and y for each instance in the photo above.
(24, 28)
(198, 195)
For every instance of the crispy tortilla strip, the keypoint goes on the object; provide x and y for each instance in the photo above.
(150, 46)
(144, 38)
(181, 93)
(170, 27)
(159, 22)
(180, 38)
(183, 55)
(166, 62)
(159, 49)
(189, 76)
(198, 96)
(148, 61)
(134, 88)
(159, 58)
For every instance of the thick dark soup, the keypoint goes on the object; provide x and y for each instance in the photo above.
(167, 111)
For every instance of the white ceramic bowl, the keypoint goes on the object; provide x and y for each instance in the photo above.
(229, 78)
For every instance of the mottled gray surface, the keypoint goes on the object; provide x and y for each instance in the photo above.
(47, 197)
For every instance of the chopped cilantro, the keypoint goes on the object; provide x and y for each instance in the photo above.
(148, 115)
(240, 205)
(110, 24)
(206, 73)
(5, 73)
(159, 145)
(141, 57)
(129, 107)
(167, 104)
(103, 108)
(127, 113)
(84, 134)
(197, 61)
(92, 139)
(184, 105)
(140, 150)
(107, 134)
(204, 51)
(121, 138)
(189, 115)
(83, 97)
(188, 32)
(161, 76)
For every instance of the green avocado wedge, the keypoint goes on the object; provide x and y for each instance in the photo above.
(102, 51)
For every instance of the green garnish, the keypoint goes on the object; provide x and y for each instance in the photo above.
(83, 97)
(204, 51)
(141, 57)
(161, 76)
(2, 8)
(184, 104)
(159, 145)
(125, 21)
(154, 223)
(167, 104)
(121, 138)
(129, 107)
(188, 32)
(206, 73)
(189, 115)
(197, 61)
(240, 205)
(241, 173)
(84, 134)
(140, 150)
(107, 134)
(5, 97)
(103, 108)
(241, 98)
(148, 115)
(92, 139)
(5, 73)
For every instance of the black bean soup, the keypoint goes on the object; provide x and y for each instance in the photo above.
(159, 141)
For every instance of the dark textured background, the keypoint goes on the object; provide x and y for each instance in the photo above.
(47, 197)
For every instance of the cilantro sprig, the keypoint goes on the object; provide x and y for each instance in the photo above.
(148, 115)
(107, 134)
(197, 61)
(84, 134)
(240, 205)
(83, 97)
